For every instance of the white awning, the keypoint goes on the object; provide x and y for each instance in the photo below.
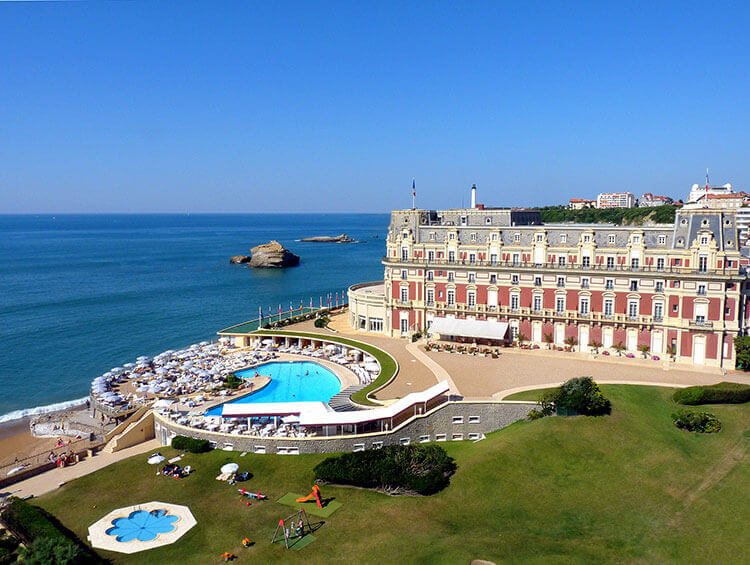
(319, 413)
(483, 329)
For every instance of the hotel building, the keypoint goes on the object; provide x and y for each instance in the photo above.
(615, 200)
(490, 274)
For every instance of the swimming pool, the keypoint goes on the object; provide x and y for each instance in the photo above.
(297, 381)
(142, 525)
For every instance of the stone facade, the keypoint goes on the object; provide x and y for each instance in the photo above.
(452, 421)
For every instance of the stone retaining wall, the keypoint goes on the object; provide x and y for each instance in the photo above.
(452, 421)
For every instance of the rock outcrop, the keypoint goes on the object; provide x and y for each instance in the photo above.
(343, 238)
(272, 255)
(239, 259)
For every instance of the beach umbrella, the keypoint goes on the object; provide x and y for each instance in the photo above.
(155, 459)
(203, 343)
(129, 365)
(230, 468)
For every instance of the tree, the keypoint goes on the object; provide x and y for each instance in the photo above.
(619, 347)
(46, 550)
(548, 339)
(644, 349)
(521, 338)
(596, 345)
(672, 350)
(571, 341)
(742, 348)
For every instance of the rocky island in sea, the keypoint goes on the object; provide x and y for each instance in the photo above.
(270, 255)
(343, 238)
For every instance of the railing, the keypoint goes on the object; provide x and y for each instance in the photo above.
(529, 265)
(701, 324)
(569, 315)
(35, 463)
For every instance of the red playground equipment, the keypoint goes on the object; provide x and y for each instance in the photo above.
(253, 495)
(314, 494)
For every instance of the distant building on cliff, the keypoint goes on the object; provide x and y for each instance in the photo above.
(615, 200)
(648, 200)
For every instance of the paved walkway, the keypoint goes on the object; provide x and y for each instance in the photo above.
(440, 373)
(49, 481)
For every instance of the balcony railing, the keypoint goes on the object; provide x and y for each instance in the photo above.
(701, 324)
(576, 267)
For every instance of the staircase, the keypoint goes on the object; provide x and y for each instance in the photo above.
(341, 402)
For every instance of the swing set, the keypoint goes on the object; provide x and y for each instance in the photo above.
(292, 528)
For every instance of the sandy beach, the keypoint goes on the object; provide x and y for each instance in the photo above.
(16, 441)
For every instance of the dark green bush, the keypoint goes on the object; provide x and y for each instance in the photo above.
(191, 444)
(702, 422)
(421, 469)
(52, 551)
(535, 414)
(35, 526)
(232, 382)
(321, 322)
(583, 396)
(720, 393)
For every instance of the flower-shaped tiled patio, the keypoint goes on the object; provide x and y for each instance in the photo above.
(141, 527)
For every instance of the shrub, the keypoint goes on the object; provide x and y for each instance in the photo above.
(583, 396)
(742, 348)
(701, 422)
(191, 444)
(535, 415)
(59, 551)
(721, 393)
(49, 541)
(402, 469)
(415, 336)
(321, 322)
(232, 382)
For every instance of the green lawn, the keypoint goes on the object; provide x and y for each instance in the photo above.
(629, 488)
(388, 364)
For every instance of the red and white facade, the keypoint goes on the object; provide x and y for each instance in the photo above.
(677, 287)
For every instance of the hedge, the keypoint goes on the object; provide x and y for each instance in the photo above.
(721, 393)
(402, 469)
(35, 526)
(191, 444)
(702, 422)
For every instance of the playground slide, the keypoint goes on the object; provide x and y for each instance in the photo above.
(315, 494)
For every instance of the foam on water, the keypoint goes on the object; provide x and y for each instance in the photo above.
(18, 414)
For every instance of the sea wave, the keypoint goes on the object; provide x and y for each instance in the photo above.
(23, 413)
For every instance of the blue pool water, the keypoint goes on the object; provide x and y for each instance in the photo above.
(298, 381)
(142, 525)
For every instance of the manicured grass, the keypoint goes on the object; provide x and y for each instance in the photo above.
(527, 394)
(388, 365)
(624, 488)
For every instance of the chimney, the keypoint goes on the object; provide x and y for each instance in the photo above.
(473, 195)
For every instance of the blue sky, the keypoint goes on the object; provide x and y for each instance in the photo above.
(251, 107)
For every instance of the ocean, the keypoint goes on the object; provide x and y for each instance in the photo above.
(81, 294)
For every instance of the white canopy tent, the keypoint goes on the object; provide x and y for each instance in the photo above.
(479, 329)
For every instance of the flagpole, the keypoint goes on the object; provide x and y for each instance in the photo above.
(413, 194)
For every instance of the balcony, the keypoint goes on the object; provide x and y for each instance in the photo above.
(554, 267)
(701, 324)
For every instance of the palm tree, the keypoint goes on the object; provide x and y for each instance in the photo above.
(596, 345)
(521, 338)
(644, 349)
(548, 339)
(572, 342)
(619, 347)
(672, 350)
